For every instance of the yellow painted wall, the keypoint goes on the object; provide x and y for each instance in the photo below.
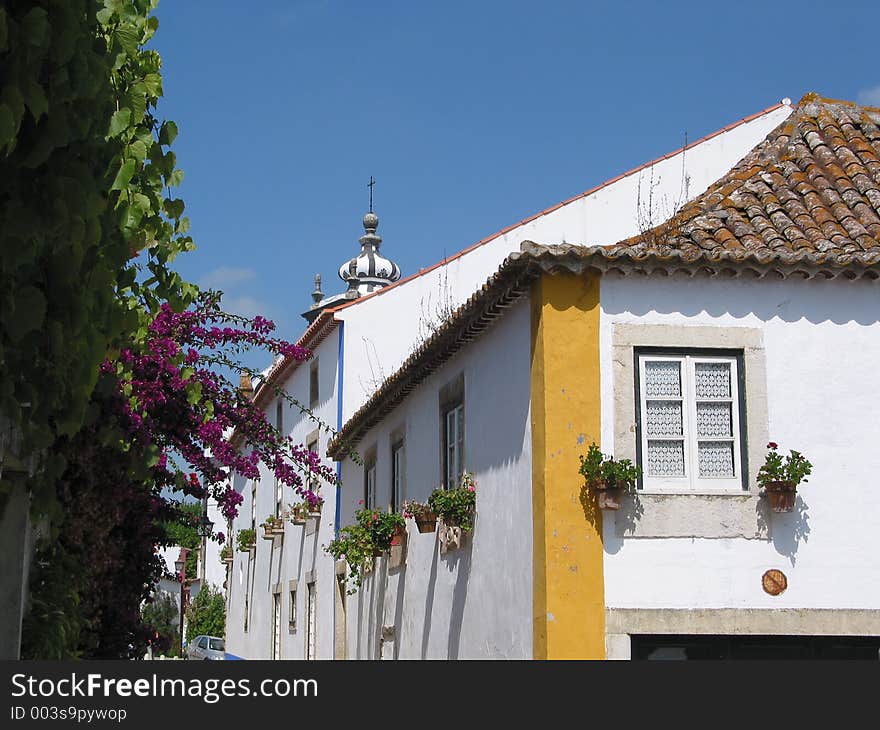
(569, 585)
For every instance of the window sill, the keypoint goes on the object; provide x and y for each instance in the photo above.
(715, 515)
(696, 492)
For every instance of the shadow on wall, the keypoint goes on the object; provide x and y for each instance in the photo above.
(790, 300)
(458, 561)
(429, 603)
(398, 604)
(787, 529)
(620, 521)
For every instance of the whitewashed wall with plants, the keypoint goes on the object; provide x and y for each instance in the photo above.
(299, 552)
(822, 346)
(474, 601)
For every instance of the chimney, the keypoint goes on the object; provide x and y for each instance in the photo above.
(245, 386)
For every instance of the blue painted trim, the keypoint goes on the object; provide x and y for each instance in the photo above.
(340, 369)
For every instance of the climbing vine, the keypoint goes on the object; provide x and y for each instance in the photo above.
(90, 223)
(112, 396)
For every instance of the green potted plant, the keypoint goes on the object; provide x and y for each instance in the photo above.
(246, 540)
(456, 506)
(298, 513)
(355, 546)
(607, 477)
(425, 518)
(226, 553)
(779, 476)
(272, 527)
(381, 526)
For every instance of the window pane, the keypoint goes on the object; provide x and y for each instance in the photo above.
(713, 420)
(664, 418)
(665, 458)
(713, 379)
(396, 476)
(716, 458)
(662, 378)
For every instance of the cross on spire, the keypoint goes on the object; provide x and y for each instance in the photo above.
(370, 186)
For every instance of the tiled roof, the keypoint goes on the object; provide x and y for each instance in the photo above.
(315, 333)
(804, 203)
(810, 191)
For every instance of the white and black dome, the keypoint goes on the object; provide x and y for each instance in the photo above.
(369, 270)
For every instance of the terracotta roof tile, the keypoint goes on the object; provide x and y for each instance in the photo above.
(811, 187)
(516, 273)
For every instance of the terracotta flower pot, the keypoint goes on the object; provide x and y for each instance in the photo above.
(399, 535)
(427, 522)
(607, 496)
(780, 495)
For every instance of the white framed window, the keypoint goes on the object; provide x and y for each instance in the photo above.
(314, 393)
(253, 505)
(276, 625)
(370, 482)
(291, 610)
(398, 474)
(690, 411)
(310, 620)
(453, 444)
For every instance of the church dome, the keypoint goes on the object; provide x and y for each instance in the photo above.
(369, 270)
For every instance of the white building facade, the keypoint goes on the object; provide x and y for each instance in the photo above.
(751, 318)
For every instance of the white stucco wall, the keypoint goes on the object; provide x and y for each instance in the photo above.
(298, 553)
(379, 333)
(476, 601)
(380, 330)
(822, 346)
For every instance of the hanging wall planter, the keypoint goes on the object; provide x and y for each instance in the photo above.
(780, 495)
(425, 518)
(608, 479)
(607, 497)
(780, 476)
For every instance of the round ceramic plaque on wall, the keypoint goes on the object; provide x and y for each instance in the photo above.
(774, 582)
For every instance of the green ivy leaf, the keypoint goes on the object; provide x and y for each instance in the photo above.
(119, 122)
(123, 177)
(137, 150)
(35, 98)
(175, 178)
(141, 202)
(30, 311)
(127, 37)
(3, 30)
(194, 393)
(174, 207)
(136, 99)
(8, 125)
(153, 84)
(35, 26)
(12, 97)
(167, 133)
(104, 15)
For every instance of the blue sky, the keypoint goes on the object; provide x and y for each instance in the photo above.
(470, 115)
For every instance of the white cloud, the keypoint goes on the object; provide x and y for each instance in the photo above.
(869, 97)
(226, 276)
(245, 306)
